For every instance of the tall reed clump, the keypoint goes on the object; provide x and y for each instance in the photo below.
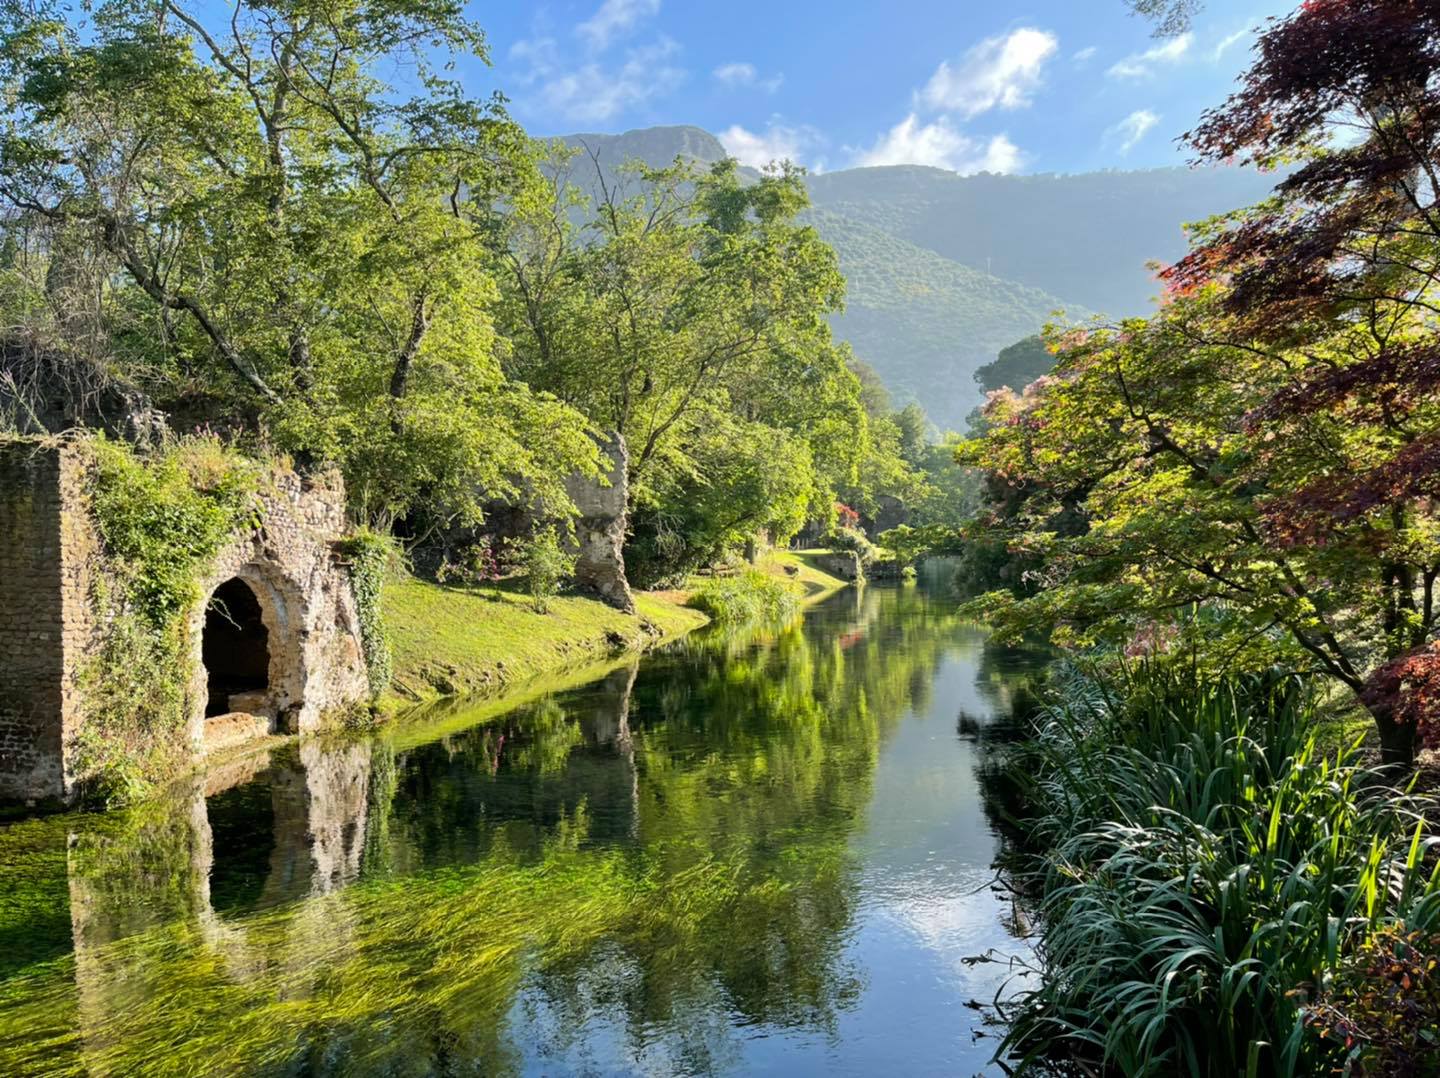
(1205, 872)
(747, 597)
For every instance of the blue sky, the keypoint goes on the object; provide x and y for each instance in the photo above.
(1043, 86)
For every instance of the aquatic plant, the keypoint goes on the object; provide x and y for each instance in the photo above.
(1206, 869)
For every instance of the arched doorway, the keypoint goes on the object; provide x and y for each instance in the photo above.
(235, 650)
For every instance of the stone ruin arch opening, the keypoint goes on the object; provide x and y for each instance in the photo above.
(235, 651)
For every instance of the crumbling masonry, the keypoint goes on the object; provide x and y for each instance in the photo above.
(275, 640)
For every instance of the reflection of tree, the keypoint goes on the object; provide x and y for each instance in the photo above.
(669, 851)
(1010, 678)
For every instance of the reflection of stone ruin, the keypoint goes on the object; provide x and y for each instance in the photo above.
(170, 878)
(275, 641)
(317, 836)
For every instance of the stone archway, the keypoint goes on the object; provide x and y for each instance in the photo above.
(235, 651)
(250, 663)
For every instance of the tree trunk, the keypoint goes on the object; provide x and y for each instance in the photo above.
(1397, 739)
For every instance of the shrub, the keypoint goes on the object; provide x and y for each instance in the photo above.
(546, 565)
(1204, 863)
(471, 563)
(748, 596)
(854, 541)
(1383, 1005)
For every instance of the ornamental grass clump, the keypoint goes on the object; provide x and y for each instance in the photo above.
(746, 597)
(1206, 872)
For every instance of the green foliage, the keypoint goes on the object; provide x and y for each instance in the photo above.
(854, 541)
(278, 229)
(1198, 863)
(1017, 365)
(732, 480)
(372, 559)
(747, 597)
(546, 564)
(910, 545)
(160, 519)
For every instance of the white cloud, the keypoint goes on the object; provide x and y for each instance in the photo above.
(778, 142)
(1085, 55)
(939, 145)
(1225, 44)
(1141, 65)
(1000, 72)
(743, 74)
(590, 92)
(736, 74)
(614, 18)
(1132, 129)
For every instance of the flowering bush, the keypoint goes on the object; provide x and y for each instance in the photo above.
(1384, 1005)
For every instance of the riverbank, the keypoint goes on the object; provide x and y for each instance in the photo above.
(1216, 885)
(450, 641)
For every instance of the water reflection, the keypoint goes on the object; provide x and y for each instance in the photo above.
(747, 853)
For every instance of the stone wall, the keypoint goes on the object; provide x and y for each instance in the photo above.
(317, 665)
(32, 624)
(600, 528)
(49, 557)
(844, 564)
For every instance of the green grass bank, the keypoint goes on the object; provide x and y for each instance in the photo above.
(456, 641)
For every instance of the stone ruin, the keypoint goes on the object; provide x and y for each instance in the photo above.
(598, 543)
(274, 642)
(600, 529)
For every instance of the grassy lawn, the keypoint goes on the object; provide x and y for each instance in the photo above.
(816, 581)
(452, 641)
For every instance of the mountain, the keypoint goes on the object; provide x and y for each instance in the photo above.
(945, 270)
(924, 321)
(656, 146)
(1087, 237)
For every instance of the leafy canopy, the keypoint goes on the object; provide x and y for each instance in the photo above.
(1259, 461)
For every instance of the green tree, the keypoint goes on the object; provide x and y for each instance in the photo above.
(1017, 365)
(686, 309)
(284, 234)
(1265, 452)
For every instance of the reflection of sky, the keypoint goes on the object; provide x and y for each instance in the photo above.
(925, 905)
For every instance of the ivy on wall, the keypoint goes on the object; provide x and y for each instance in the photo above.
(162, 518)
(371, 557)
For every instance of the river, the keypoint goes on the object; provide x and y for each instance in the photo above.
(763, 853)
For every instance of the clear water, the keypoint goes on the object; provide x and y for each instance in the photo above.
(757, 855)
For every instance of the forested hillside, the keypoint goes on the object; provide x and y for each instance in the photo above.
(925, 322)
(945, 270)
(1086, 238)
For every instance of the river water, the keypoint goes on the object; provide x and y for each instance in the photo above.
(754, 854)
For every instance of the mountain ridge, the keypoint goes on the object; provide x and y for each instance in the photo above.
(945, 269)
